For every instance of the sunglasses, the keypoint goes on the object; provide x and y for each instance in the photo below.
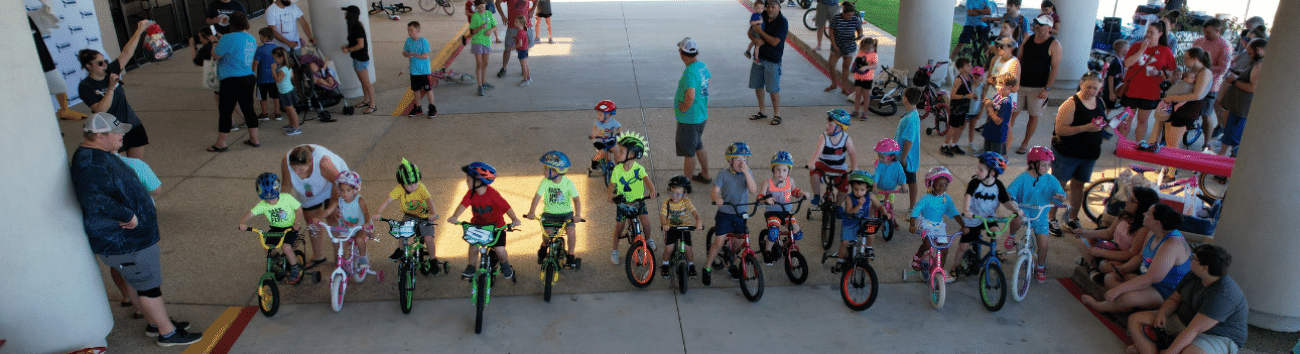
(679, 194)
(100, 63)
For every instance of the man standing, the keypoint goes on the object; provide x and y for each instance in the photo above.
(692, 103)
(285, 17)
(1039, 58)
(766, 73)
(122, 225)
(825, 9)
(515, 9)
(1218, 49)
(219, 14)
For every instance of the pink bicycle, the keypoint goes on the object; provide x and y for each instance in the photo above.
(931, 267)
(346, 268)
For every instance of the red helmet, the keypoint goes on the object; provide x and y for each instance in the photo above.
(606, 106)
(1039, 153)
(887, 146)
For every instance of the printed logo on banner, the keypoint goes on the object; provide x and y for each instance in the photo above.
(77, 29)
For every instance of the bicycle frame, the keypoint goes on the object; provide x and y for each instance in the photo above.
(346, 236)
(993, 255)
(731, 254)
(933, 267)
(555, 251)
(785, 242)
(486, 256)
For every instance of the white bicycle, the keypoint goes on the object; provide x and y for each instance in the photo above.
(346, 268)
(1027, 249)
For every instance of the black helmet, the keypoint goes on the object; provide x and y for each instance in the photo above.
(680, 181)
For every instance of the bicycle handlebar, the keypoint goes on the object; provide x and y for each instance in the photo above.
(264, 235)
(987, 221)
(347, 232)
(682, 228)
(798, 204)
(1039, 210)
(935, 245)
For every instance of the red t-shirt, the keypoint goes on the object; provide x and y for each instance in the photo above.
(1144, 76)
(488, 209)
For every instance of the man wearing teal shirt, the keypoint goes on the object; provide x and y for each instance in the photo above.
(692, 103)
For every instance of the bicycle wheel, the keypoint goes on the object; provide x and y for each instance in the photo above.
(883, 101)
(683, 277)
(1096, 196)
(338, 285)
(1021, 276)
(993, 281)
(428, 5)
(751, 279)
(268, 296)
(1191, 136)
(858, 286)
(828, 228)
(640, 265)
(548, 280)
(887, 230)
(941, 118)
(796, 267)
(447, 7)
(405, 287)
(938, 290)
(810, 19)
(1211, 186)
(480, 301)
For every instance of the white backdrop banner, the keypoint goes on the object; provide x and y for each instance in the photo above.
(76, 28)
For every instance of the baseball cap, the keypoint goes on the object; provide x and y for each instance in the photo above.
(352, 8)
(1043, 20)
(687, 45)
(106, 123)
(977, 71)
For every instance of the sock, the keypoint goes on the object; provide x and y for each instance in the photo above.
(691, 264)
(665, 263)
(169, 335)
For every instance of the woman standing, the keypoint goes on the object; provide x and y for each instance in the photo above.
(844, 31)
(311, 171)
(1004, 63)
(234, 55)
(358, 47)
(1077, 143)
(1147, 65)
(1187, 102)
(102, 91)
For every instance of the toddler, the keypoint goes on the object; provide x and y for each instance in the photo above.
(282, 211)
(780, 189)
(675, 212)
(928, 214)
(562, 207)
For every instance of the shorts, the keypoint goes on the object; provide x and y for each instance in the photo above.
(1065, 168)
(959, 120)
(674, 235)
(1040, 224)
(501, 239)
(556, 220)
(289, 99)
(688, 139)
(1030, 102)
(765, 75)
(728, 224)
(136, 137)
(974, 234)
(419, 83)
(968, 33)
(824, 13)
(1164, 289)
(268, 91)
(548, 15)
(141, 268)
(625, 209)
(1138, 103)
(850, 228)
(1207, 104)
(317, 206)
(1231, 132)
(911, 176)
(998, 147)
(54, 81)
(1189, 113)
(820, 169)
(512, 33)
(360, 65)
(290, 235)
(421, 229)
(866, 84)
(522, 54)
(479, 49)
(1214, 344)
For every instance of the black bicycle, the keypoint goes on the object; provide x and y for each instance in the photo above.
(680, 267)
(858, 283)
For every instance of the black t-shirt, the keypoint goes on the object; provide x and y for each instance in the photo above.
(357, 31)
(47, 62)
(1084, 145)
(204, 53)
(92, 91)
(216, 8)
(778, 28)
(1115, 71)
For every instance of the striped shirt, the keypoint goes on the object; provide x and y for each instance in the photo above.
(845, 32)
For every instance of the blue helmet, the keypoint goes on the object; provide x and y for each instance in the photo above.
(481, 171)
(268, 186)
(994, 161)
(839, 115)
(782, 158)
(556, 160)
(737, 149)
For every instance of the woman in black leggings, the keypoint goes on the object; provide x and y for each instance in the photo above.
(234, 54)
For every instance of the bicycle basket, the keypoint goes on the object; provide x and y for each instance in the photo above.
(404, 229)
(480, 235)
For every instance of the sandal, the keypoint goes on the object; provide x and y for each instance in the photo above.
(776, 120)
(758, 116)
(369, 110)
(214, 148)
(137, 315)
(362, 104)
(1022, 151)
(313, 263)
(126, 303)
(251, 143)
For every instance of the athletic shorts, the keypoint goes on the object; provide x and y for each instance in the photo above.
(637, 208)
(136, 137)
(911, 176)
(673, 235)
(556, 220)
(974, 234)
(542, 15)
(1065, 168)
(688, 139)
(765, 75)
(959, 120)
(820, 169)
(141, 268)
(728, 224)
(824, 13)
(866, 84)
(317, 206)
(522, 54)
(419, 83)
(290, 235)
(268, 91)
(1214, 344)
(479, 49)
(1138, 103)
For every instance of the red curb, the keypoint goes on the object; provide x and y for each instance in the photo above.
(236, 328)
(1075, 290)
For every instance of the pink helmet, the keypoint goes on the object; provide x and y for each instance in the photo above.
(887, 146)
(1039, 153)
(936, 173)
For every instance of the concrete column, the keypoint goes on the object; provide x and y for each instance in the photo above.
(54, 299)
(924, 33)
(331, 32)
(1078, 20)
(1256, 222)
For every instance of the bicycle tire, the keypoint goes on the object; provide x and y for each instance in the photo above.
(828, 227)
(888, 232)
(796, 267)
(751, 273)
(548, 280)
(941, 118)
(448, 8)
(1190, 137)
(428, 5)
(405, 287)
(879, 105)
(480, 301)
(1096, 196)
(640, 265)
(992, 279)
(938, 290)
(810, 19)
(338, 286)
(1022, 277)
(1212, 188)
(861, 277)
(268, 297)
(683, 277)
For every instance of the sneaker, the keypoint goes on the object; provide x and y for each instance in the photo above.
(769, 257)
(279, 116)
(263, 117)
(433, 111)
(956, 150)
(944, 150)
(973, 148)
(1054, 228)
(748, 55)
(235, 128)
(243, 125)
(501, 73)
(651, 243)
(295, 274)
(949, 279)
(817, 200)
(692, 271)
(838, 267)
(1040, 272)
(292, 131)
(707, 280)
(415, 112)
(363, 262)
(151, 331)
(663, 270)
(507, 271)
(569, 260)
(469, 271)
(734, 273)
(286, 127)
(1217, 131)
(525, 82)
(613, 257)
(181, 337)
(488, 86)
(397, 255)
(1073, 224)
(871, 254)
(480, 90)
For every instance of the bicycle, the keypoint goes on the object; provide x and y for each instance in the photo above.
(796, 266)
(446, 74)
(988, 266)
(860, 277)
(556, 254)
(390, 10)
(886, 213)
(640, 260)
(748, 272)
(886, 97)
(1027, 251)
(932, 99)
(1097, 195)
(827, 208)
(601, 161)
(411, 257)
(277, 266)
(680, 267)
(480, 236)
(931, 267)
(430, 5)
(345, 268)
(976, 50)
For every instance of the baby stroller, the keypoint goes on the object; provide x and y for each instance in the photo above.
(316, 96)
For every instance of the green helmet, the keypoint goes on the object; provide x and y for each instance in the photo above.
(861, 176)
(407, 173)
(634, 143)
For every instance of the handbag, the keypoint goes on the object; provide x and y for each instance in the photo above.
(210, 80)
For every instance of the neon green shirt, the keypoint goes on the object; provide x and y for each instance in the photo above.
(282, 213)
(480, 18)
(557, 198)
(629, 183)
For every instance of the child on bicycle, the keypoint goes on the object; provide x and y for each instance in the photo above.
(864, 75)
(416, 205)
(562, 206)
(780, 189)
(834, 154)
(603, 131)
(488, 208)
(282, 210)
(929, 211)
(888, 175)
(857, 206)
(999, 109)
(350, 210)
(675, 212)
(1032, 189)
(732, 185)
(984, 194)
(629, 182)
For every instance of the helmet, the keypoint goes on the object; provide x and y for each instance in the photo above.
(861, 176)
(887, 146)
(268, 186)
(737, 149)
(936, 173)
(556, 160)
(407, 173)
(350, 178)
(839, 115)
(680, 181)
(481, 171)
(607, 106)
(994, 161)
(782, 158)
(633, 142)
(1039, 153)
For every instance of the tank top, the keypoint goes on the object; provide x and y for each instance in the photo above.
(1085, 145)
(1001, 68)
(315, 189)
(1176, 273)
(349, 214)
(834, 154)
(780, 195)
(1037, 64)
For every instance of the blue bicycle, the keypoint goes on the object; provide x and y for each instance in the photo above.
(988, 264)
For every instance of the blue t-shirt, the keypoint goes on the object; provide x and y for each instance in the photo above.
(934, 207)
(998, 132)
(696, 76)
(143, 172)
(417, 66)
(110, 193)
(863, 212)
(909, 129)
(978, 5)
(778, 28)
(889, 176)
(264, 61)
(1027, 190)
(236, 51)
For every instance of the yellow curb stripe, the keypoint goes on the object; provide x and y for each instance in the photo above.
(213, 334)
(439, 61)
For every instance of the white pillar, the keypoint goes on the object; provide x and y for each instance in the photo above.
(1256, 224)
(53, 299)
(924, 33)
(331, 32)
(1075, 33)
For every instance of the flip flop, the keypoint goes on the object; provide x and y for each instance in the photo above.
(1022, 151)
(362, 104)
(369, 110)
(250, 143)
(758, 116)
(776, 120)
(313, 263)
(214, 148)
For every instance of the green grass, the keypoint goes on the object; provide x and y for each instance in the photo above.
(884, 14)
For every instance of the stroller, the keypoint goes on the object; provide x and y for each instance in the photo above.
(318, 95)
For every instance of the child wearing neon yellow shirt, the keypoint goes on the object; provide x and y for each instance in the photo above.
(562, 206)
(416, 204)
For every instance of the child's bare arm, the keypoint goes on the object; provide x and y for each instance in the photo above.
(577, 210)
(663, 219)
(433, 213)
(365, 211)
(849, 208)
(514, 220)
(243, 222)
(595, 132)
(300, 219)
(459, 209)
(852, 152)
(650, 186)
(382, 206)
(817, 152)
(537, 198)
(276, 73)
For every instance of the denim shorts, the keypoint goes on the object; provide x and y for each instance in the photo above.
(360, 65)
(1232, 132)
(849, 230)
(1065, 168)
(765, 75)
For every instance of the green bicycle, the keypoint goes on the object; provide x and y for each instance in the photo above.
(410, 256)
(556, 255)
(488, 266)
(277, 268)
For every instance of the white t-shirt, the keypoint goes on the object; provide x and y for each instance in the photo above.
(285, 21)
